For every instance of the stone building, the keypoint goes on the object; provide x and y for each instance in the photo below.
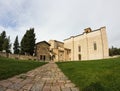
(42, 51)
(58, 52)
(90, 45)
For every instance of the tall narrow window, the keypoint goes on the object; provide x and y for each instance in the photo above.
(40, 57)
(79, 48)
(95, 46)
(79, 57)
(44, 58)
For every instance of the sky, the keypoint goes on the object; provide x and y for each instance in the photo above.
(60, 19)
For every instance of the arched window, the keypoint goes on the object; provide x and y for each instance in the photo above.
(95, 46)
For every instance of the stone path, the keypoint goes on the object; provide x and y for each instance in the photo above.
(45, 78)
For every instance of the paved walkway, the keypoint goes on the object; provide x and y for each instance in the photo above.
(45, 78)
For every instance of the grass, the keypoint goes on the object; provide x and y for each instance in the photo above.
(97, 75)
(12, 67)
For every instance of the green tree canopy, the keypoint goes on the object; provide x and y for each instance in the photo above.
(114, 51)
(28, 42)
(6, 45)
(1, 43)
(4, 42)
(16, 46)
(2, 39)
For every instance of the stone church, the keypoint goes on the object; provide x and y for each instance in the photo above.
(90, 45)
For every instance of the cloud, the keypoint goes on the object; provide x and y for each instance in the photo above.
(60, 19)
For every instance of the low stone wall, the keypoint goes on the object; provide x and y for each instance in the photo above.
(114, 56)
(2, 54)
(15, 56)
(23, 57)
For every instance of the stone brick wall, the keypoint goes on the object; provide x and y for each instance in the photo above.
(86, 42)
(3, 54)
(42, 51)
(55, 44)
(57, 48)
(15, 56)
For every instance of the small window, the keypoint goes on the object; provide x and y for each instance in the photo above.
(79, 48)
(95, 46)
(44, 58)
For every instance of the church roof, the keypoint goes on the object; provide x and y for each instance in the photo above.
(87, 30)
(43, 42)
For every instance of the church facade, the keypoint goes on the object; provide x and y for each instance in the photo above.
(90, 45)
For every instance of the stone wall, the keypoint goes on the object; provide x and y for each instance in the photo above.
(2, 54)
(55, 44)
(42, 51)
(15, 56)
(86, 42)
(57, 48)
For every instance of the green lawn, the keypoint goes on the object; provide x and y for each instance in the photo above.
(11, 67)
(97, 75)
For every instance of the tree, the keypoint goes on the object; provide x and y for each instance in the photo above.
(114, 51)
(6, 45)
(16, 46)
(1, 43)
(28, 42)
(2, 39)
(3, 35)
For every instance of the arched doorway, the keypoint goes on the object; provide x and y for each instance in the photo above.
(79, 56)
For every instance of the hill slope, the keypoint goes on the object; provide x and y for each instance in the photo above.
(97, 75)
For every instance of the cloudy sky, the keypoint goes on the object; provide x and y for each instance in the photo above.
(60, 19)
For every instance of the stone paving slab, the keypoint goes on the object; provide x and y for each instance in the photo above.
(45, 78)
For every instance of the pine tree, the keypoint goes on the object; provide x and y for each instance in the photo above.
(6, 45)
(2, 39)
(16, 46)
(28, 42)
(3, 34)
(1, 43)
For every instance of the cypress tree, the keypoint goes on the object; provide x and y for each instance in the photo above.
(2, 39)
(28, 42)
(16, 46)
(1, 43)
(6, 45)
